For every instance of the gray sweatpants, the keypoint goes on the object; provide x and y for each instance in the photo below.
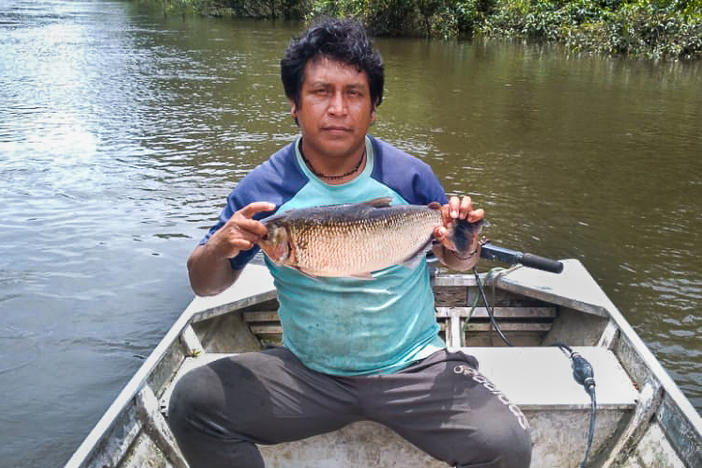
(441, 404)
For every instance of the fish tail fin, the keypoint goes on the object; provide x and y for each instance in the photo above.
(464, 235)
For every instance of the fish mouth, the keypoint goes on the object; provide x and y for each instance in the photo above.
(277, 253)
(276, 242)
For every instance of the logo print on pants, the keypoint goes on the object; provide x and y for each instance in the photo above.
(482, 380)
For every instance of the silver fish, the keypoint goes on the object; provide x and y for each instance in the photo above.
(357, 239)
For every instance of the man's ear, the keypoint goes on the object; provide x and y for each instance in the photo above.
(293, 111)
(372, 116)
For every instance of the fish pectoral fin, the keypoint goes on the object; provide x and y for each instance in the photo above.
(413, 262)
(381, 202)
(415, 259)
(363, 276)
(304, 273)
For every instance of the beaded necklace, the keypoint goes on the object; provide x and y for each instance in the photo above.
(333, 177)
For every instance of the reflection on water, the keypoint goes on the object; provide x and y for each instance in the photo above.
(122, 131)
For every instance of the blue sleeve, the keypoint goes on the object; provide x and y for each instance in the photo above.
(277, 180)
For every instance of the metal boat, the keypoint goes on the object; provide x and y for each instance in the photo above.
(642, 419)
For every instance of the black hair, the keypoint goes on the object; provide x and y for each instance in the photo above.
(342, 40)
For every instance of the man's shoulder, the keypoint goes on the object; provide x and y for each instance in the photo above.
(388, 153)
(279, 164)
(410, 177)
(275, 179)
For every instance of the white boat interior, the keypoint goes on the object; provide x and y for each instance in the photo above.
(643, 420)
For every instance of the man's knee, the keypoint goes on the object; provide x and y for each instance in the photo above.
(199, 415)
(197, 405)
(502, 442)
(221, 399)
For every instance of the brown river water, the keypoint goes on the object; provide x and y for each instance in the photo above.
(122, 131)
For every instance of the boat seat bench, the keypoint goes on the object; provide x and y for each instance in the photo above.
(534, 378)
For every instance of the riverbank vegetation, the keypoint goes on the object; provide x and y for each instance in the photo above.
(656, 29)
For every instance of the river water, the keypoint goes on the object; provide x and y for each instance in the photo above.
(122, 130)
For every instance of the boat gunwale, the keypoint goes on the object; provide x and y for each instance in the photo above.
(655, 368)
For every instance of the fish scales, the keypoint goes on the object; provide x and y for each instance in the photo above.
(351, 240)
(361, 245)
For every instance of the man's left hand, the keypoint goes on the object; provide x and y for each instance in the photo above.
(456, 208)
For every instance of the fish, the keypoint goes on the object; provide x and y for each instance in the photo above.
(357, 239)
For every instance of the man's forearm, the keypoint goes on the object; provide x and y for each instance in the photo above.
(210, 274)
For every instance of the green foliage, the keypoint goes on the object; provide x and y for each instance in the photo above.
(288, 9)
(392, 17)
(468, 14)
(339, 9)
(658, 29)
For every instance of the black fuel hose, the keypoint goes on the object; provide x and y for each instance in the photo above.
(490, 311)
(585, 376)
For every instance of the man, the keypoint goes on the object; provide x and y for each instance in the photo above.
(353, 349)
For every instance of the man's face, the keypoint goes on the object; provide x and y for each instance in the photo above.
(335, 108)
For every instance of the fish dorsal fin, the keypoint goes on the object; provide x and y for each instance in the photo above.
(381, 202)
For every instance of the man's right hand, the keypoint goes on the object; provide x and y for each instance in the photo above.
(208, 266)
(241, 232)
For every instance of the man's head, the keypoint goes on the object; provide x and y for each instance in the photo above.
(334, 81)
(338, 40)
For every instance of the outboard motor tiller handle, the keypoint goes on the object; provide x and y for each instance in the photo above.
(494, 252)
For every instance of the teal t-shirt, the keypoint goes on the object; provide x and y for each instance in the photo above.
(349, 326)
